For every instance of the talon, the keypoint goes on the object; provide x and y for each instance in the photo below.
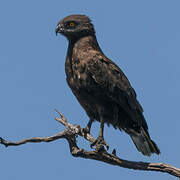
(92, 144)
(114, 152)
(99, 142)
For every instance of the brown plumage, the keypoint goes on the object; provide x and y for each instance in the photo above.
(100, 86)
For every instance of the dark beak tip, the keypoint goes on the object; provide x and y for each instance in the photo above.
(57, 30)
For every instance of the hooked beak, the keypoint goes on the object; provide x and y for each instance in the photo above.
(59, 29)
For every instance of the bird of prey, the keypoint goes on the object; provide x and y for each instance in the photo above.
(100, 86)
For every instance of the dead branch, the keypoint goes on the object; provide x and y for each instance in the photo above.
(100, 154)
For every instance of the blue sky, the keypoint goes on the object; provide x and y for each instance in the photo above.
(142, 37)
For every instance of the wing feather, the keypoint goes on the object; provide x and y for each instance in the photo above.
(116, 86)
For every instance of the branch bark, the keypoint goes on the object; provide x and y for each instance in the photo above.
(100, 154)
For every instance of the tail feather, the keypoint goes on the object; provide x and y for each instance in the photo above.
(143, 142)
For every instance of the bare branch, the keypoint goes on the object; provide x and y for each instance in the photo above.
(100, 154)
(33, 140)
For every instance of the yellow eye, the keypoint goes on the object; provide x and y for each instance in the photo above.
(71, 24)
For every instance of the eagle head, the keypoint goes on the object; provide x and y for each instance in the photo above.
(75, 27)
